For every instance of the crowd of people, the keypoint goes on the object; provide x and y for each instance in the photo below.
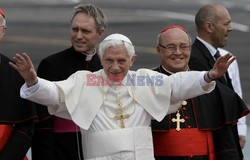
(94, 107)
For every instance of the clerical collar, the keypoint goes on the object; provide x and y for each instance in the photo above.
(89, 56)
(169, 71)
(210, 48)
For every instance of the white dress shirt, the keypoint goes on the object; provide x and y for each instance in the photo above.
(234, 74)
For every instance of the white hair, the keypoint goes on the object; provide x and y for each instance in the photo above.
(106, 43)
(3, 22)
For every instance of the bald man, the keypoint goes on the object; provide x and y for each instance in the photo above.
(213, 24)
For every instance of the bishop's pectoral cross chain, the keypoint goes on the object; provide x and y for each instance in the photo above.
(121, 116)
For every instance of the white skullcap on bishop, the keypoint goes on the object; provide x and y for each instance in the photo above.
(117, 36)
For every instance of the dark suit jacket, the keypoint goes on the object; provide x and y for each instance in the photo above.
(201, 59)
(226, 104)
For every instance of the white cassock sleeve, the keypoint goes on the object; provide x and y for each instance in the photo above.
(46, 93)
(166, 95)
(71, 99)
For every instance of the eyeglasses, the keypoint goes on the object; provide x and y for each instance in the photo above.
(173, 48)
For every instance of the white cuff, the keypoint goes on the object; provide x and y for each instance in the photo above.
(27, 91)
(202, 79)
(242, 127)
(242, 130)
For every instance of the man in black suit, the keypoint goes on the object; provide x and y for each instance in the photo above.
(213, 25)
(58, 138)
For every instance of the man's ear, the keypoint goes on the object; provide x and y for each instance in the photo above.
(4, 30)
(209, 26)
(133, 60)
(157, 50)
(101, 33)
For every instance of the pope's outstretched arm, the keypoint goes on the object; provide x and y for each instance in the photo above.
(220, 67)
(25, 67)
(48, 94)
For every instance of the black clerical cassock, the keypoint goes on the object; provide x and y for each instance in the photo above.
(201, 123)
(16, 113)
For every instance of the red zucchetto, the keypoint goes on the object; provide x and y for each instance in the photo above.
(173, 26)
(2, 13)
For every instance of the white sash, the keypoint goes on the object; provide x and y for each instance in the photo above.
(137, 140)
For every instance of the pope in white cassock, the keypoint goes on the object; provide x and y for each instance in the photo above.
(114, 106)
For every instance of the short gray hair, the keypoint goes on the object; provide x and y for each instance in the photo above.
(206, 13)
(158, 40)
(3, 22)
(93, 11)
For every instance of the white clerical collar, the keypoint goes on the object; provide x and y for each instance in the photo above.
(89, 56)
(211, 49)
(172, 72)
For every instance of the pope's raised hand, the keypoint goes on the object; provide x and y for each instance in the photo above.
(23, 64)
(221, 65)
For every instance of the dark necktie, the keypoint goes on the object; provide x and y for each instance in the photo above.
(217, 54)
(226, 76)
